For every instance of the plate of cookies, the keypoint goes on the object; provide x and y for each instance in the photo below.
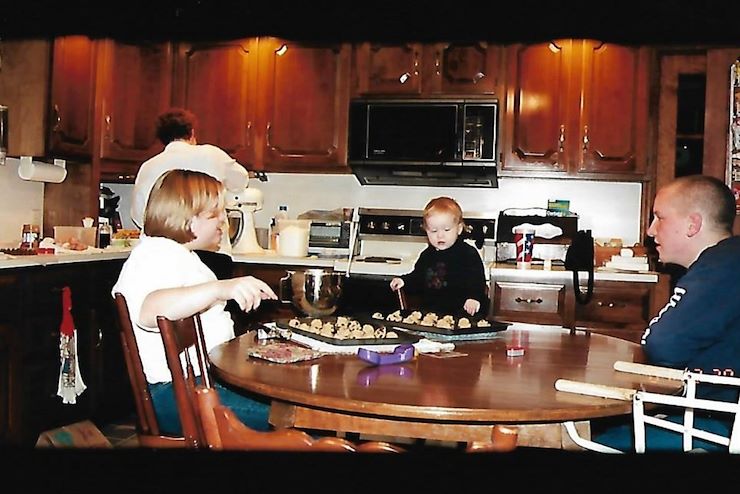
(346, 331)
(431, 322)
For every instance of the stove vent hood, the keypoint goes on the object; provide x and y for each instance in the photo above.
(426, 175)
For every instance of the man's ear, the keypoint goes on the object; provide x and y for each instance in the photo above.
(695, 224)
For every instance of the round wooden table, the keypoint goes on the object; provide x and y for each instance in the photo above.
(452, 399)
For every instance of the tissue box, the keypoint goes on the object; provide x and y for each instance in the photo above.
(85, 235)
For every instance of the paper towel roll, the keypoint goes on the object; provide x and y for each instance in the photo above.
(42, 172)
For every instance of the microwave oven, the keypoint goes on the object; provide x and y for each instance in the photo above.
(452, 139)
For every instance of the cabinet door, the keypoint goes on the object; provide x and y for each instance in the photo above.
(388, 69)
(612, 131)
(137, 85)
(305, 98)
(72, 96)
(537, 107)
(216, 81)
(462, 68)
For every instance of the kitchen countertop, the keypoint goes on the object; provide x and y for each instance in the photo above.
(358, 267)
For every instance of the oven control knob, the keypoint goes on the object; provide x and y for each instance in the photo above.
(401, 228)
(371, 225)
(385, 226)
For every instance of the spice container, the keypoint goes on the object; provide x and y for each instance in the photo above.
(30, 237)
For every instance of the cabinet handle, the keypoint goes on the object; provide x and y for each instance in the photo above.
(268, 130)
(100, 338)
(249, 133)
(57, 118)
(610, 305)
(520, 300)
(477, 77)
(561, 139)
(108, 128)
(585, 138)
(437, 62)
(404, 77)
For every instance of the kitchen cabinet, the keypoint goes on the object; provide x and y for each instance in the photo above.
(72, 96)
(29, 345)
(618, 308)
(577, 108)
(415, 69)
(217, 81)
(304, 97)
(135, 81)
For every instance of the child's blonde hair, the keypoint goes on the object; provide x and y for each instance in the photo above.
(178, 196)
(443, 205)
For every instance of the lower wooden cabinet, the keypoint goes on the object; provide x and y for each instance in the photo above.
(617, 308)
(30, 319)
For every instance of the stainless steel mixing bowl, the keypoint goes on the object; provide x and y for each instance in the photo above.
(314, 292)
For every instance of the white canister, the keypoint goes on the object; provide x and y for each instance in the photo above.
(293, 237)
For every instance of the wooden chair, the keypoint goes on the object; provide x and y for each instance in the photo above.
(147, 428)
(206, 423)
(181, 338)
(688, 402)
(503, 440)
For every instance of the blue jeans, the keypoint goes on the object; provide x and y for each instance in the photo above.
(252, 411)
(621, 435)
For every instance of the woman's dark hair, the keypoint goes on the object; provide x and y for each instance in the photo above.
(175, 123)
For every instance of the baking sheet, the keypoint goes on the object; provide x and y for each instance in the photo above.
(495, 326)
(403, 337)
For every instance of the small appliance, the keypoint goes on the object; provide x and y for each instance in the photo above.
(329, 238)
(553, 234)
(240, 208)
(442, 142)
(108, 207)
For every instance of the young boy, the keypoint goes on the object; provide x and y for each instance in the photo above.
(449, 273)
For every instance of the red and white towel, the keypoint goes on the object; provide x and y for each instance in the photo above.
(70, 380)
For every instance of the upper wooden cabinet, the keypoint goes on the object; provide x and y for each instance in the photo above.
(72, 96)
(416, 69)
(135, 81)
(577, 107)
(217, 82)
(304, 101)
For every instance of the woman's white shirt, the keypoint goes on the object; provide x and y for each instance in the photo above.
(157, 263)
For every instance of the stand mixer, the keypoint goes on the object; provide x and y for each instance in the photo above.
(240, 208)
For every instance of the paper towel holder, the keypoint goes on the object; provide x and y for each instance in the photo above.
(39, 171)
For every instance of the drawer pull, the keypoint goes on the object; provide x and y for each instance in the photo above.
(520, 300)
(610, 305)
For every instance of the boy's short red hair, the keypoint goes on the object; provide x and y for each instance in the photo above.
(443, 205)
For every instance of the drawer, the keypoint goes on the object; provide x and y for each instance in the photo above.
(529, 302)
(628, 304)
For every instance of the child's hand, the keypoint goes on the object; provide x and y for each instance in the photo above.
(396, 284)
(471, 306)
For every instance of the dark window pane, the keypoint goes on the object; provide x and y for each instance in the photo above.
(690, 111)
(689, 156)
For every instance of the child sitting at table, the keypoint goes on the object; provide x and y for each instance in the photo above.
(449, 273)
(164, 277)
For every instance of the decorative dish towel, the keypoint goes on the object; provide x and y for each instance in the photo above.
(70, 381)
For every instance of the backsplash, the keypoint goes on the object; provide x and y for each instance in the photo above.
(20, 202)
(617, 216)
